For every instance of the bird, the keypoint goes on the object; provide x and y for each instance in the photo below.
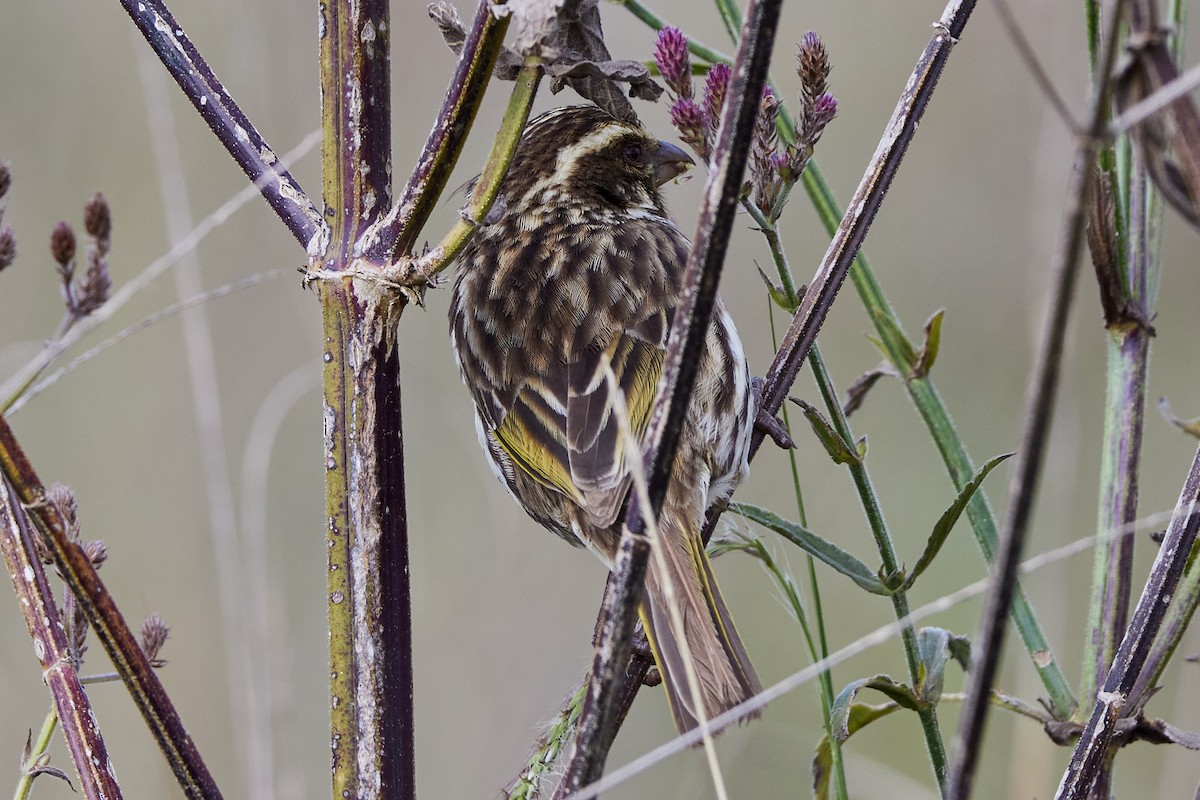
(574, 280)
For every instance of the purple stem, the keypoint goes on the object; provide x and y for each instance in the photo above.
(226, 120)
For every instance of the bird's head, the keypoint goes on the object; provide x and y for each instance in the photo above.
(584, 154)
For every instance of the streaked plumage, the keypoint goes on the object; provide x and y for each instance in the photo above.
(582, 268)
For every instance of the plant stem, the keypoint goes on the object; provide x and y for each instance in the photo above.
(887, 555)
(397, 233)
(214, 103)
(105, 618)
(820, 651)
(40, 745)
(1117, 694)
(370, 626)
(59, 671)
(770, 232)
(487, 187)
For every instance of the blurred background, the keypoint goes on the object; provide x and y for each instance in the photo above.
(504, 611)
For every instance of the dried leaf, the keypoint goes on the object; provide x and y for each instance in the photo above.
(445, 16)
(53, 772)
(1188, 426)
(568, 32)
(1169, 140)
(634, 73)
(857, 392)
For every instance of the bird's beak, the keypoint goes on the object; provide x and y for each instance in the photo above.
(669, 162)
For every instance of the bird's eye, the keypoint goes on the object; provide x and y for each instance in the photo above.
(633, 153)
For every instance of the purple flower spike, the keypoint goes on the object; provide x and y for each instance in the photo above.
(714, 93)
(687, 117)
(824, 109)
(670, 52)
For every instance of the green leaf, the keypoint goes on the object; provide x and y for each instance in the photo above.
(935, 646)
(819, 548)
(839, 714)
(941, 531)
(929, 349)
(891, 332)
(861, 715)
(834, 444)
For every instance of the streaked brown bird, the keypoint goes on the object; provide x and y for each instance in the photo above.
(580, 272)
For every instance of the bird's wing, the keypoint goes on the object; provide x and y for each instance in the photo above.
(563, 430)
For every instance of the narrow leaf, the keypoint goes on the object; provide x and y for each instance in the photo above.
(821, 549)
(941, 531)
(929, 349)
(834, 444)
(861, 715)
(839, 714)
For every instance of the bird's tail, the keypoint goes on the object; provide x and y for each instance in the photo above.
(721, 667)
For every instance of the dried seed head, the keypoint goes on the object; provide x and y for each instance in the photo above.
(154, 636)
(5, 178)
(687, 117)
(97, 218)
(77, 629)
(763, 175)
(93, 292)
(8, 247)
(812, 66)
(62, 244)
(97, 552)
(671, 55)
(63, 499)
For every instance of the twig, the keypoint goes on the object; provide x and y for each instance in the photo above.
(989, 643)
(227, 121)
(597, 726)
(114, 634)
(397, 232)
(59, 672)
(1115, 697)
(486, 189)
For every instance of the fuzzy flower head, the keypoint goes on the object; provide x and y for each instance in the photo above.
(688, 119)
(671, 55)
(714, 95)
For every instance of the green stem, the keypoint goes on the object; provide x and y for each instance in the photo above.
(655, 22)
(821, 651)
(937, 419)
(487, 187)
(770, 232)
(887, 554)
(40, 746)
